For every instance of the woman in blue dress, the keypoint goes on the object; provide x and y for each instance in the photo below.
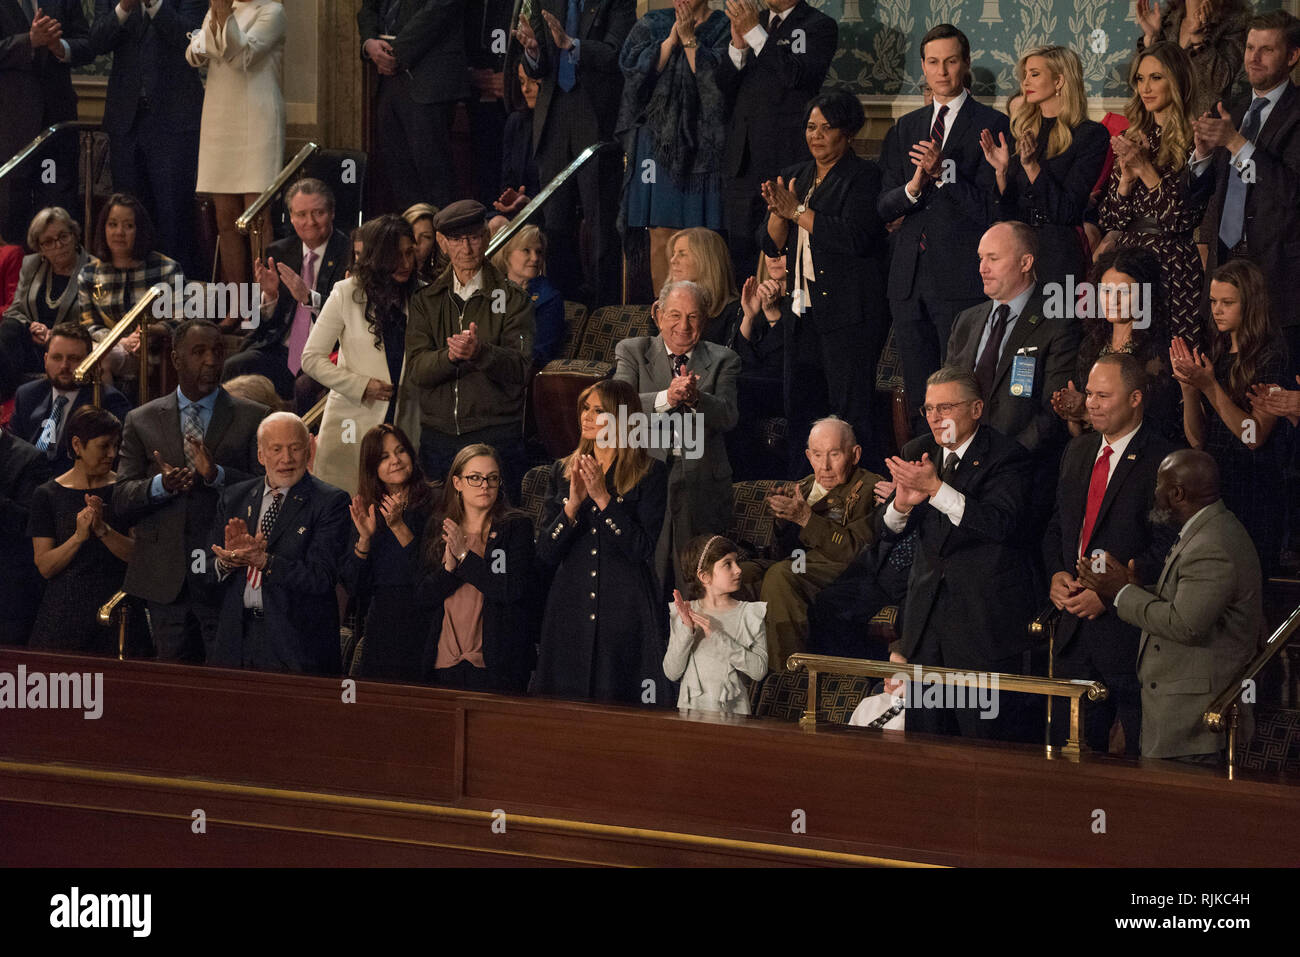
(672, 124)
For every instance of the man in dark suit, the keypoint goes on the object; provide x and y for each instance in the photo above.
(572, 47)
(1254, 154)
(42, 407)
(934, 176)
(40, 42)
(152, 113)
(1103, 504)
(178, 452)
(296, 279)
(776, 62)
(1202, 621)
(284, 534)
(22, 469)
(418, 47)
(677, 371)
(962, 489)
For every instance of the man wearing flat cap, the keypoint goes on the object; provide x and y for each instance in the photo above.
(469, 343)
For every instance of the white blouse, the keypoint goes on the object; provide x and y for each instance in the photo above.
(709, 667)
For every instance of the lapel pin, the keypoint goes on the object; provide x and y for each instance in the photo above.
(975, 463)
(302, 529)
(1132, 456)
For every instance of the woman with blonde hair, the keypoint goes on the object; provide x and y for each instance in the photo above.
(1045, 180)
(700, 255)
(522, 260)
(429, 259)
(1150, 198)
(479, 579)
(604, 633)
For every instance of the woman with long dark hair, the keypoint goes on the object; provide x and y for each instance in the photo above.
(604, 633)
(1046, 175)
(1218, 413)
(479, 580)
(1129, 317)
(366, 315)
(382, 565)
(1149, 198)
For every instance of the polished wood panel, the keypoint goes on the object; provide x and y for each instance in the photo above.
(288, 773)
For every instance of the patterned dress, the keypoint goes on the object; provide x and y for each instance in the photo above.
(1163, 221)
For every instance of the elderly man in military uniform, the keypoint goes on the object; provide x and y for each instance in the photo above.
(823, 523)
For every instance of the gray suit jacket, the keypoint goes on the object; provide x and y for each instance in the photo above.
(31, 286)
(644, 363)
(1198, 631)
(168, 532)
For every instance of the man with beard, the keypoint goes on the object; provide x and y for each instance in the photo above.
(1204, 617)
(1106, 488)
(178, 452)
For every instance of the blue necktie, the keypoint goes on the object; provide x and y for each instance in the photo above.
(1233, 222)
(568, 75)
(49, 440)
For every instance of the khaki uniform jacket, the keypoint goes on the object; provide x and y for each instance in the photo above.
(840, 524)
(459, 397)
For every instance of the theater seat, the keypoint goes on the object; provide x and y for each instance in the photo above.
(532, 496)
(556, 388)
(1276, 744)
(784, 695)
(753, 527)
(575, 317)
(889, 379)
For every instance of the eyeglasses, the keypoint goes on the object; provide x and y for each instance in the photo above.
(476, 481)
(469, 239)
(944, 409)
(60, 240)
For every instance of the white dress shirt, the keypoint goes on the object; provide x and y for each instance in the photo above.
(467, 290)
(661, 398)
(947, 500)
(954, 106)
(1239, 159)
(756, 36)
(1017, 306)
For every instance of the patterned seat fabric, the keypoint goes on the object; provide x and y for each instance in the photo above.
(608, 326)
(1276, 744)
(591, 368)
(784, 695)
(532, 495)
(889, 368)
(753, 526)
(575, 315)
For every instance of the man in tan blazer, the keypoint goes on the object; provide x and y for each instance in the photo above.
(1202, 623)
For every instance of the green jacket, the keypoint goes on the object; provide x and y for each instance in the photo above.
(488, 390)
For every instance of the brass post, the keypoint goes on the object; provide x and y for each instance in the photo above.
(809, 718)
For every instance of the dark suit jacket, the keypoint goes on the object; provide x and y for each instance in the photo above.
(970, 582)
(1054, 346)
(954, 216)
(848, 243)
(22, 469)
(1272, 221)
(32, 406)
(1122, 529)
(167, 532)
(338, 253)
(305, 548)
(765, 132)
(429, 46)
(149, 60)
(602, 28)
(37, 85)
(643, 362)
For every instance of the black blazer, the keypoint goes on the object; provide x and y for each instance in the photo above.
(510, 618)
(971, 581)
(848, 242)
(1052, 343)
(602, 28)
(766, 131)
(338, 253)
(298, 597)
(1272, 220)
(429, 46)
(167, 532)
(149, 60)
(1123, 528)
(22, 469)
(954, 216)
(37, 87)
(33, 403)
(1055, 203)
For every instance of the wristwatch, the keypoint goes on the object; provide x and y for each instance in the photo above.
(799, 211)
(691, 44)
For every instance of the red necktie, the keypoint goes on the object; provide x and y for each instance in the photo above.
(936, 135)
(1096, 492)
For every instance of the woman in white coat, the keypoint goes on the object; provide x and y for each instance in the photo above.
(241, 137)
(366, 315)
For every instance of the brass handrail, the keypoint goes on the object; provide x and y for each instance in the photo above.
(1045, 624)
(540, 200)
(315, 413)
(119, 331)
(1072, 688)
(105, 617)
(251, 218)
(28, 151)
(1222, 711)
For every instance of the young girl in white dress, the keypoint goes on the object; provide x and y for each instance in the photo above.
(714, 638)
